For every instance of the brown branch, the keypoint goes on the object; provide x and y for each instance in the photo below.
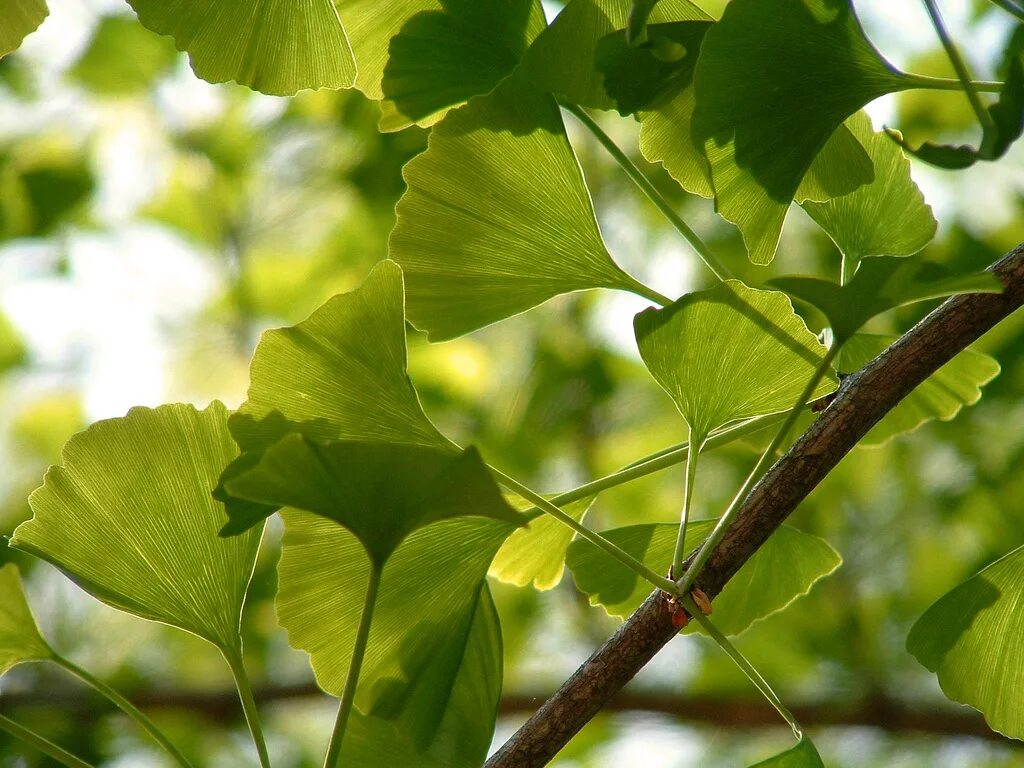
(863, 399)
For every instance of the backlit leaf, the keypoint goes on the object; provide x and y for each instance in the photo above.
(940, 396)
(17, 19)
(887, 217)
(728, 353)
(19, 636)
(536, 554)
(129, 517)
(774, 81)
(380, 492)
(785, 568)
(273, 46)
(881, 283)
(803, 755)
(501, 174)
(973, 639)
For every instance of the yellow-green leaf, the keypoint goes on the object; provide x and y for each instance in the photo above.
(19, 636)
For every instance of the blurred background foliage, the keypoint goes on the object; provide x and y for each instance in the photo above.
(151, 226)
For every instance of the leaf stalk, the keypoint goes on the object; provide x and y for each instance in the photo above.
(41, 743)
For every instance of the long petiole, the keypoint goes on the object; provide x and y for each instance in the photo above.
(593, 537)
(927, 83)
(1011, 8)
(645, 185)
(332, 760)
(124, 705)
(741, 661)
(41, 743)
(962, 73)
(691, 476)
(252, 717)
(693, 571)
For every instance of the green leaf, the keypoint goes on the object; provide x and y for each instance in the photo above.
(17, 19)
(728, 353)
(339, 374)
(562, 58)
(43, 184)
(887, 217)
(272, 46)
(783, 569)
(380, 492)
(501, 174)
(803, 755)
(122, 57)
(536, 554)
(940, 396)
(774, 81)
(973, 639)
(421, 57)
(466, 726)
(128, 516)
(881, 283)
(322, 577)
(19, 636)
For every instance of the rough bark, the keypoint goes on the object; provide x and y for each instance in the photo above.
(863, 399)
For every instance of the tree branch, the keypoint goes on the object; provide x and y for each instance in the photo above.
(863, 399)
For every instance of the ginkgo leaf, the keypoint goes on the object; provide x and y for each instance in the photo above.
(973, 639)
(18, 18)
(466, 725)
(562, 58)
(774, 81)
(802, 755)
(339, 374)
(785, 568)
(940, 396)
(536, 554)
(19, 636)
(380, 492)
(322, 579)
(887, 217)
(728, 353)
(501, 174)
(128, 516)
(272, 46)
(421, 57)
(881, 283)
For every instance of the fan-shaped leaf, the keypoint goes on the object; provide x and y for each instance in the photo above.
(803, 755)
(273, 46)
(786, 567)
(501, 174)
(774, 81)
(880, 284)
(380, 492)
(973, 639)
(887, 217)
(536, 554)
(323, 573)
(727, 353)
(940, 396)
(466, 726)
(129, 517)
(339, 374)
(19, 636)
(17, 19)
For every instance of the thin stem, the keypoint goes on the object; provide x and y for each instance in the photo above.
(41, 743)
(725, 521)
(647, 292)
(949, 84)
(655, 462)
(124, 705)
(593, 537)
(962, 73)
(645, 185)
(745, 666)
(691, 476)
(252, 715)
(332, 760)
(1011, 8)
